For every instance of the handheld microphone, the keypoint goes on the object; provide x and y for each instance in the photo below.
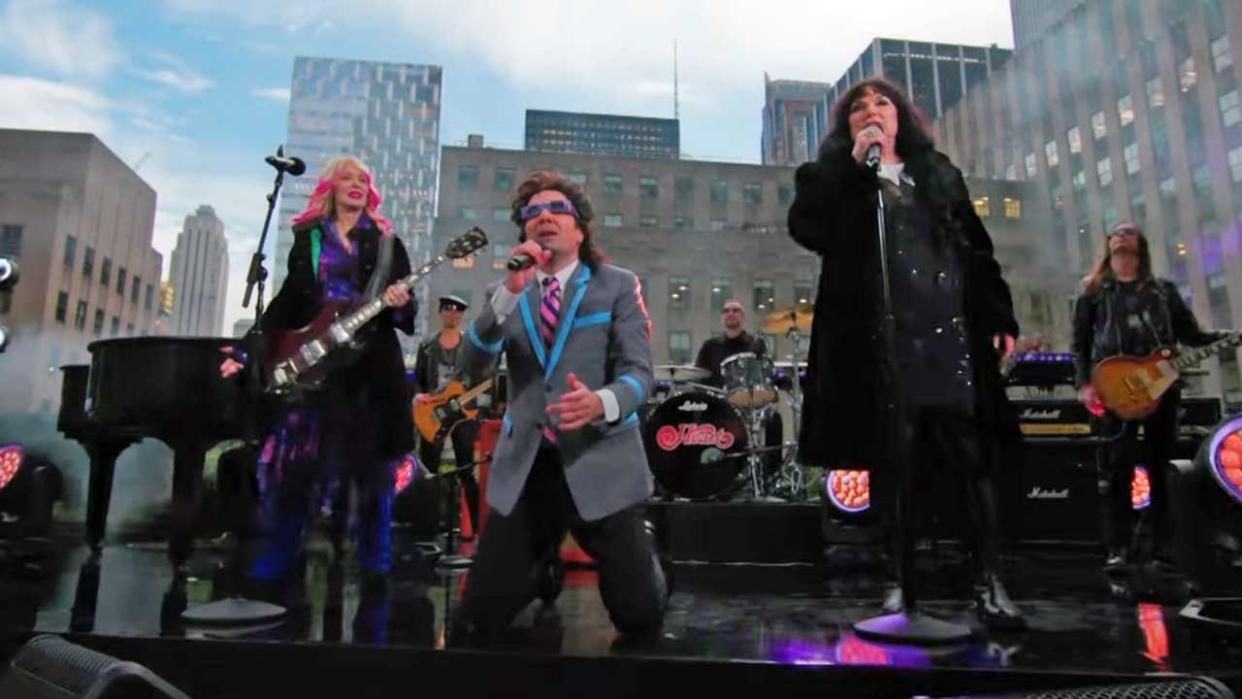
(521, 261)
(873, 151)
(291, 164)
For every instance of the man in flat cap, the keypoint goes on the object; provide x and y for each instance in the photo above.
(438, 363)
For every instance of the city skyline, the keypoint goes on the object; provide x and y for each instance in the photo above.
(193, 94)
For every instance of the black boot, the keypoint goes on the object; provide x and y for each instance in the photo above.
(894, 599)
(996, 610)
(1118, 558)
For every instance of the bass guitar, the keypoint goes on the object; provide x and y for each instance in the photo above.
(1131, 387)
(300, 359)
(443, 410)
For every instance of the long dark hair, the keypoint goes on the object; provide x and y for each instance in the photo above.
(545, 180)
(913, 138)
(1103, 270)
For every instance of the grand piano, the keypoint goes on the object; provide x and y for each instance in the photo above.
(168, 388)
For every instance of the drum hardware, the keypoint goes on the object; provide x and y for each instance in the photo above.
(679, 373)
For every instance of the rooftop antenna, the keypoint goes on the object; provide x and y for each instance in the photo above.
(676, 105)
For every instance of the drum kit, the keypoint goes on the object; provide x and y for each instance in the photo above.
(708, 443)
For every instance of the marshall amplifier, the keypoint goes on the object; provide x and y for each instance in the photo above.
(1054, 493)
(1053, 418)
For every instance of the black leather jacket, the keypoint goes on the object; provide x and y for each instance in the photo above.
(1100, 329)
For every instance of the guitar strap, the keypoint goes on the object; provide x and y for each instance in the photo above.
(383, 262)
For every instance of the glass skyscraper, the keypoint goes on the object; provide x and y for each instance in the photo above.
(602, 134)
(386, 114)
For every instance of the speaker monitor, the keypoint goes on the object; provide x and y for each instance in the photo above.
(49, 667)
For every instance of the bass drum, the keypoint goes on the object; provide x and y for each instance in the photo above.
(687, 438)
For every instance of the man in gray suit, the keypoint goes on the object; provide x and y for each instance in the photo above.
(578, 342)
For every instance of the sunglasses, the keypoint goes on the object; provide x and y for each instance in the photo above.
(556, 206)
(1123, 231)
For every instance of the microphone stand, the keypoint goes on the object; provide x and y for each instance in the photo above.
(909, 626)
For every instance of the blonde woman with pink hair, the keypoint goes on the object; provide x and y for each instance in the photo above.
(342, 441)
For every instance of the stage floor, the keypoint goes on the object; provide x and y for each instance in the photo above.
(787, 624)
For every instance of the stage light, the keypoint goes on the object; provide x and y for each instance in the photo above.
(1140, 488)
(4, 337)
(408, 470)
(8, 273)
(1225, 457)
(11, 457)
(849, 490)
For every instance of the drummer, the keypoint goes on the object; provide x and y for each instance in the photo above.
(735, 340)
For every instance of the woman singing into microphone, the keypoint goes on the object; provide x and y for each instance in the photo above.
(344, 438)
(953, 319)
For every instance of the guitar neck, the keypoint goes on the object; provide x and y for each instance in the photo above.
(1194, 356)
(475, 392)
(372, 308)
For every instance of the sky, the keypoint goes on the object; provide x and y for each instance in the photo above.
(194, 93)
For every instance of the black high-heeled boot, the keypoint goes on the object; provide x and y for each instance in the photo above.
(995, 608)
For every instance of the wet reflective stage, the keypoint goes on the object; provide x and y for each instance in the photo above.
(792, 619)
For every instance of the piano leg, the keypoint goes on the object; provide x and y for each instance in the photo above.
(103, 455)
(187, 484)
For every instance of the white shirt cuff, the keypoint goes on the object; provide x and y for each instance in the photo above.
(612, 409)
(503, 303)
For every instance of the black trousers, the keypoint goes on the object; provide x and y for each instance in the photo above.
(1127, 449)
(463, 437)
(515, 550)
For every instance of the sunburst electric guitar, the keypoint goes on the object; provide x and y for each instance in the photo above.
(446, 408)
(1131, 387)
(301, 358)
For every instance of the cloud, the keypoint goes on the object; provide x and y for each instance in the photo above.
(276, 94)
(32, 103)
(177, 74)
(68, 41)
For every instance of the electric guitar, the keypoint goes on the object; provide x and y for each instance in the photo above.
(1131, 387)
(445, 409)
(301, 358)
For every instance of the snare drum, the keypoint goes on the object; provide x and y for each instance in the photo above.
(691, 441)
(748, 380)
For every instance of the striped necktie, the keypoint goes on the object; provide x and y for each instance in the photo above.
(549, 314)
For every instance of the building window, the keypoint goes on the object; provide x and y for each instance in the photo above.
(504, 179)
(105, 271)
(500, 213)
(1079, 181)
(1111, 217)
(11, 241)
(129, 329)
(678, 293)
(1050, 152)
(1235, 164)
(88, 262)
(1230, 111)
(763, 295)
(150, 298)
(116, 326)
(1201, 179)
(648, 222)
(79, 316)
(679, 347)
(579, 178)
(1013, 207)
(468, 178)
(133, 290)
(683, 189)
(98, 326)
(804, 292)
(752, 193)
(1131, 155)
(62, 306)
(648, 188)
(784, 194)
(1125, 110)
(719, 224)
(1074, 137)
(1104, 169)
(71, 250)
(683, 223)
(468, 213)
(1155, 93)
(1222, 53)
(1186, 77)
(120, 280)
(613, 184)
(719, 191)
(983, 207)
(1168, 188)
(1098, 128)
(612, 220)
(1032, 167)
(722, 290)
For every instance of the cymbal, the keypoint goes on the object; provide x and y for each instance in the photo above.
(679, 372)
(782, 320)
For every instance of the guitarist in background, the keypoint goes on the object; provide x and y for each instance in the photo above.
(437, 364)
(1125, 310)
(343, 438)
